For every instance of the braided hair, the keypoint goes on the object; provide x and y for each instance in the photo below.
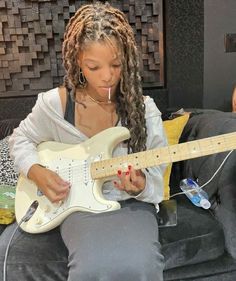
(96, 22)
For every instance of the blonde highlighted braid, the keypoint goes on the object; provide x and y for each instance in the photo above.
(96, 22)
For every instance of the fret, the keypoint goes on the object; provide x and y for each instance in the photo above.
(163, 155)
(207, 147)
(193, 149)
(139, 160)
(177, 152)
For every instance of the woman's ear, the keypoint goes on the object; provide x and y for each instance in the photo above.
(234, 100)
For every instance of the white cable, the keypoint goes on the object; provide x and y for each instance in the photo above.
(216, 172)
(6, 253)
(29, 213)
(206, 183)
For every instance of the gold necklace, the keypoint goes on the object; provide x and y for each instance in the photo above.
(101, 102)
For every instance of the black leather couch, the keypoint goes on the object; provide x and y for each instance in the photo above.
(201, 247)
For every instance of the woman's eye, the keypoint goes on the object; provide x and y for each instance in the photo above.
(93, 68)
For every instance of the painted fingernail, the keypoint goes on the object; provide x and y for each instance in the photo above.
(127, 173)
(119, 172)
(129, 167)
(115, 182)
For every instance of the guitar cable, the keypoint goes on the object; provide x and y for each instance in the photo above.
(206, 183)
(29, 213)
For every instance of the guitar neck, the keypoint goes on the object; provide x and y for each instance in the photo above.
(163, 155)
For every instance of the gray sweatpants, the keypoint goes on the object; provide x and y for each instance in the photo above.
(115, 246)
(120, 245)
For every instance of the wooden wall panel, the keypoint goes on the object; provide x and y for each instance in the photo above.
(31, 33)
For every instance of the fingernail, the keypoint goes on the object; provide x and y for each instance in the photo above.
(127, 173)
(119, 172)
(115, 182)
(68, 184)
(129, 167)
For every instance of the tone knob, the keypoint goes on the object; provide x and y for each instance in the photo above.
(39, 220)
(47, 208)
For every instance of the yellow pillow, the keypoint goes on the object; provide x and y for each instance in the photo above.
(173, 129)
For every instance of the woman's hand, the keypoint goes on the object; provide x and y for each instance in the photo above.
(49, 183)
(131, 181)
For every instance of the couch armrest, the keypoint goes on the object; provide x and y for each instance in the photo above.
(7, 126)
(226, 214)
(222, 188)
(225, 210)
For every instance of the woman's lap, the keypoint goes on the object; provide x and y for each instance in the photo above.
(106, 246)
(118, 245)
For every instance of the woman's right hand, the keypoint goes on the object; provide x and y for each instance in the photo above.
(49, 183)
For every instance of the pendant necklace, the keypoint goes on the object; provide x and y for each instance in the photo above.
(101, 102)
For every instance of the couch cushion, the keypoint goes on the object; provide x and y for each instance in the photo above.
(47, 259)
(7, 126)
(173, 129)
(8, 176)
(8, 181)
(222, 188)
(196, 238)
(2, 227)
(221, 269)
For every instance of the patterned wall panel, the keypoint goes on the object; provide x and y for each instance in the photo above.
(31, 33)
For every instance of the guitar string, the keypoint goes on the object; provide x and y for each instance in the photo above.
(150, 151)
(209, 150)
(168, 148)
(65, 170)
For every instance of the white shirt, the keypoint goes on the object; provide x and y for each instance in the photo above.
(46, 122)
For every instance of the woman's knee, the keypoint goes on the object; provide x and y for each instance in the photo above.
(143, 264)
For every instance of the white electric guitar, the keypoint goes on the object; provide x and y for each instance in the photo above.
(88, 165)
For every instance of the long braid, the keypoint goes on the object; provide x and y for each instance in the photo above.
(99, 21)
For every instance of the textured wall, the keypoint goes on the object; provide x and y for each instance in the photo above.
(184, 35)
(31, 34)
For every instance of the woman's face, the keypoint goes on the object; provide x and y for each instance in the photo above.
(100, 63)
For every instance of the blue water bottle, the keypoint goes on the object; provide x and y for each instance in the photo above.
(195, 194)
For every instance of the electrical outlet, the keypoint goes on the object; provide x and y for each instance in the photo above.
(230, 42)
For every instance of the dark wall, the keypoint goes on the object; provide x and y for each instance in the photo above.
(199, 71)
(184, 52)
(219, 65)
(184, 55)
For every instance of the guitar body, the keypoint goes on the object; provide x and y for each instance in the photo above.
(88, 165)
(72, 163)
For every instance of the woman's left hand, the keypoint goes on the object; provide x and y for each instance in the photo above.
(131, 181)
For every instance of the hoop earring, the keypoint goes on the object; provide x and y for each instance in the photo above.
(82, 79)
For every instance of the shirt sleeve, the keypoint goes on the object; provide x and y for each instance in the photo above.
(34, 129)
(154, 189)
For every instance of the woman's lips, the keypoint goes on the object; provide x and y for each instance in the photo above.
(106, 88)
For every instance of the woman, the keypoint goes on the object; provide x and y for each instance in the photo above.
(102, 89)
